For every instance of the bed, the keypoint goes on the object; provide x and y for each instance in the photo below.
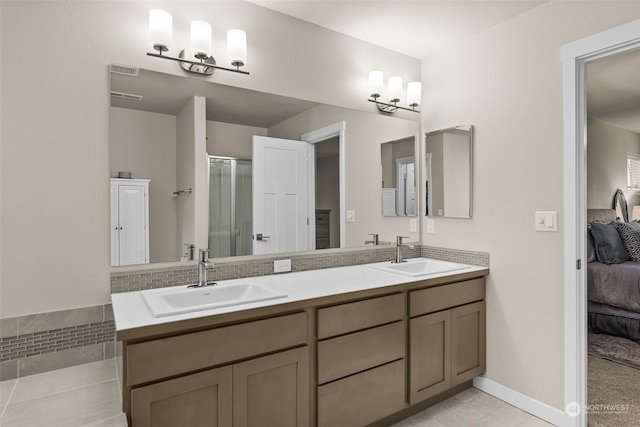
(613, 275)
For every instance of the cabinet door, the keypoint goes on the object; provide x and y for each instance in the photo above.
(468, 342)
(115, 226)
(132, 213)
(198, 400)
(272, 390)
(430, 358)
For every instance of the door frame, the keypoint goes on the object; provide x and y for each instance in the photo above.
(575, 57)
(314, 137)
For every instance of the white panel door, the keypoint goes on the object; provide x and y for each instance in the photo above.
(280, 195)
(115, 226)
(131, 213)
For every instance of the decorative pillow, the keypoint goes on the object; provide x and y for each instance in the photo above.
(630, 234)
(608, 244)
(591, 247)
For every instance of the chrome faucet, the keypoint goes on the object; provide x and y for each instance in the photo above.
(399, 246)
(203, 263)
(374, 240)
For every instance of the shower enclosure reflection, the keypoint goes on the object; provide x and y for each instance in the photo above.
(229, 207)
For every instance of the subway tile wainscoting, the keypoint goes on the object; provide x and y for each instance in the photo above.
(43, 342)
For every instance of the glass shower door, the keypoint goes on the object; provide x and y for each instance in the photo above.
(229, 207)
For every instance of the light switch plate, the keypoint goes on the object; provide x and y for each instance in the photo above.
(546, 221)
(351, 216)
(281, 266)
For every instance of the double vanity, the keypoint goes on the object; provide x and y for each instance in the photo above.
(348, 346)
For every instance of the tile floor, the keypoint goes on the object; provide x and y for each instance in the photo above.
(89, 396)
(85, 395)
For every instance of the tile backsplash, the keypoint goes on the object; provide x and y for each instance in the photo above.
(41, 342)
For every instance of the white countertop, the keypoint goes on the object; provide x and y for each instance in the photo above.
(131, 312)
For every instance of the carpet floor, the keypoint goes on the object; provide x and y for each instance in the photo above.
(613, 389)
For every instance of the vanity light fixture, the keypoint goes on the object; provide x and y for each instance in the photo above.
(394, 93)
(197, 58)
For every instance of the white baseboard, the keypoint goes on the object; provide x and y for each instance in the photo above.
(524, 402)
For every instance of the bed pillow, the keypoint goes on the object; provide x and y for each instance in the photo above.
(591, 248)
(630, 234)
(608, 244)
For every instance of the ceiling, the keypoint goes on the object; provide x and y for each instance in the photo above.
(416, 28)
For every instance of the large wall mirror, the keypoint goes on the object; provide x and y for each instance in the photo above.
(210, 202)
(398, 160)
(448, 172)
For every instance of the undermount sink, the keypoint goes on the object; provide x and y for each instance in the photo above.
(170, 301)
(416, 267)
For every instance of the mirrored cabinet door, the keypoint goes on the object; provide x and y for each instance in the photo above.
(449, 172)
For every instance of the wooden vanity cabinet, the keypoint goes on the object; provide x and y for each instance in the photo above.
(361, 361)
(447, 337)
(256, 386)
(371, 359)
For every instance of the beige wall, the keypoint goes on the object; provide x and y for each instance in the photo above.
(607, 148)
(55, 122)
(364, 134)
(507, 83)
(144, 144)
(231, 140)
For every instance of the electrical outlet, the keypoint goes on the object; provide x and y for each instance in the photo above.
(413, 225)
(282, 266)
(431, 226)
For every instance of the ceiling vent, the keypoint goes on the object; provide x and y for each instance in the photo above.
(126, 95)
(125, 70)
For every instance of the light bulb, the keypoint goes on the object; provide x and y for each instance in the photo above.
(376, 83)
(200, 39)
(414, 94)
(395, 89)
(160, 29)
(237, 47)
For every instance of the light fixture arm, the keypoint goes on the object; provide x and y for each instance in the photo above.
(205, 66)
(390, 108)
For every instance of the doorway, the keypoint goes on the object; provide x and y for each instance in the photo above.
(576, 56)
(336, 132)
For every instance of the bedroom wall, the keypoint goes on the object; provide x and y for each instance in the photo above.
(607, 148)
(507, 83)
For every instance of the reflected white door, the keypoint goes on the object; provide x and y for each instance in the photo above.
(280, 199)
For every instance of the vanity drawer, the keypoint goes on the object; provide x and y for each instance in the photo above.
(354, 316)
(363, 398)
(161, 358)
(349, 354)
(442, 297)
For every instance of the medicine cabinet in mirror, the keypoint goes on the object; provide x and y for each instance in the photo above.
(398, 177)
(449, 172)
(194, 141)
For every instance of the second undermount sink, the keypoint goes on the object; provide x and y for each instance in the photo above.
(170, 301)
(416, 267)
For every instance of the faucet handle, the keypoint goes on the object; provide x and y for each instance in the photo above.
(399, 239)
(374, 238)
